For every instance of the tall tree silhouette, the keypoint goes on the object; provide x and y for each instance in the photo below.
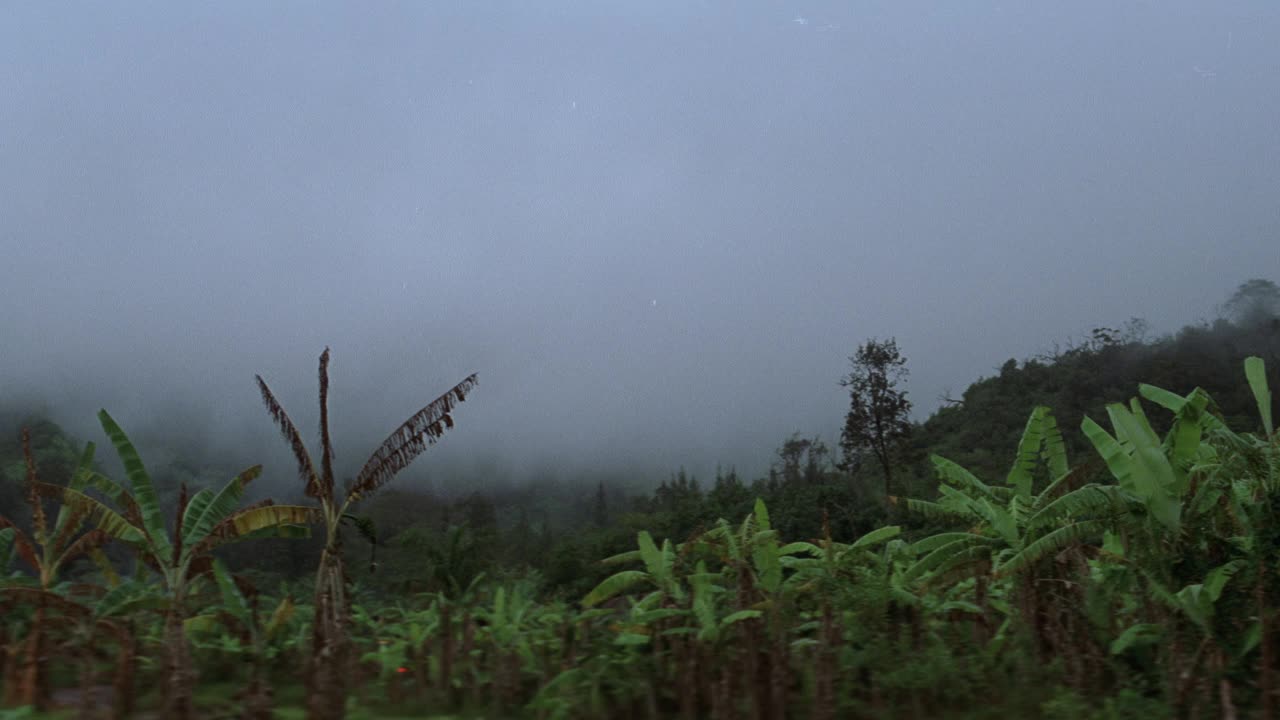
(1256, 301)
(327, 669)
(878, 419)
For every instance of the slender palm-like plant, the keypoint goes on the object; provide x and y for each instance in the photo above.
(1201, 484)
(246, 633)
(327, 662)
(202, 522)
(1011, 532)
(85, 623)
(46, 551)
(1009, 525)
(831, 568)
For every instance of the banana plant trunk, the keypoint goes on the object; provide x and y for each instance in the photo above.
(330, 647)
(122, 682)
(8, 656)
(687, 682)
(725, 703)
(751, 671)
(420, 657)
(177, 700)
(824, 701)
(470, 682)
(1226, 702)
(258, 694)
(778, 674)
(86, 706)
(31, 686)
(1267, 662)
(446, 652)
(981, 630)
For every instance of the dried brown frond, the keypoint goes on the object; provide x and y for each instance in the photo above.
(408, 441)
(39, 523)
(85, 544)
(183, 499)
(109, 574)
(248, 475)
(235, 625)
(123, 500)
(22, 544)
(326, 446)
(251, 518)
(246, 588)
(265, 502)
(129, 509)
(37, 596)
(70, 525)
(226, 528)
(202, 565)
(84, 590)
(306, 469)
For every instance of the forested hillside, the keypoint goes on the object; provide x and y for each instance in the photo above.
(1042, 553)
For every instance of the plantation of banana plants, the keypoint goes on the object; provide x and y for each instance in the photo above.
(1138, 581)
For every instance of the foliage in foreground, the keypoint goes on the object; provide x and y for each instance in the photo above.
(328, 658)
(1138, 583)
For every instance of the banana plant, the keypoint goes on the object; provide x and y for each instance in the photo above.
(829, 565)
(111, 615)
(659, 573)
(7, 537)
(237, 626)
(753, 555)
(714, 615)
(202, 522)
(1164, 488)
(1178, 496)
(1011, 527)
(1197, 602)
(327, 662)
(508, 630)
(754, 564)
(1255, 371)
(1238, 479)
(1253, 501)
(829, 569)
(655, 612)
(49, 549)
(609, 678)
(677, 618)
(1011, 530)
(398, 644)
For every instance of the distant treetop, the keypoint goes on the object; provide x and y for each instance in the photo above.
(1255, 302)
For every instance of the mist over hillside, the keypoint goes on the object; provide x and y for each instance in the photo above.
(656, 230)
(806, 360)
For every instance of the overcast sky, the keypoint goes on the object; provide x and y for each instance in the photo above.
(656, 230)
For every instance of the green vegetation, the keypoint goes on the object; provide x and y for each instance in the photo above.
(1085, 560)
(329, 650)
